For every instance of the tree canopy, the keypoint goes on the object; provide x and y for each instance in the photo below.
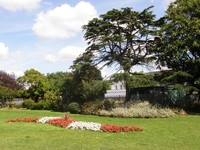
(84, 69)
(36, 83)
(179, 48)
(123, 37)
(86, 84)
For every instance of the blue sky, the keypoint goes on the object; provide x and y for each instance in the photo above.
(46, 34)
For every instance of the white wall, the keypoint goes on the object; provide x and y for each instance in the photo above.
(118, 85)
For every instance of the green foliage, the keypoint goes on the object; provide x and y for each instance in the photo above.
(61, 91)
(85, 83)
(179, 46)
(6, 93)
(94, 90)
(142, 80)
(28, 103)
(36, 82)
(74, 108)
(41, 105)
(57, 81)
(180, 80)
(84, 69)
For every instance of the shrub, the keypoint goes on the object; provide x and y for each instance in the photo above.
(74, 107)
(92, 107)
(139, 110)
(28, 103)
(38, 106)
(42, 105)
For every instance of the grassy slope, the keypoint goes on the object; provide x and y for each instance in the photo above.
(169, 133)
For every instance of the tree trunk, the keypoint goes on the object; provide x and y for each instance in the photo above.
(127, 86)
(128, 94)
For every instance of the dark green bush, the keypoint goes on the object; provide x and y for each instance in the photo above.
(74, 107)
(42, 105)
(92, 107)
(39, 106)
(28, 103)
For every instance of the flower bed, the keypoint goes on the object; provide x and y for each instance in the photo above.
(68, 123)
(23, 120)
(118, 129)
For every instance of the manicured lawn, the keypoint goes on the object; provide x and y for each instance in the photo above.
(182, 132)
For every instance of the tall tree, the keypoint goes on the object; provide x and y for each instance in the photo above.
(57, 81)
(122, 37)
(87, 80)
(60, 89)
(35, 83)
(179, 46)
(84, 69)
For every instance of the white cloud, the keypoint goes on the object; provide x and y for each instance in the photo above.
(15, 5)
(70, 52)
(3, 51)
(50, 58)
(66, 53)
(64, 21)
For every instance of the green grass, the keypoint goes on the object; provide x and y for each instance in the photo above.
(181, 132)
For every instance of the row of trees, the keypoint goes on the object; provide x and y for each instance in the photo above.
(126, 38)
(59, 89)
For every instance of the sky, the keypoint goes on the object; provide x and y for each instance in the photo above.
(46, 35)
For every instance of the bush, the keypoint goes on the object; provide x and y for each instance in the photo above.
(38, 106)
(42, 105)
(139, 110)
(92, 107)
(74, 107)
(28, 103)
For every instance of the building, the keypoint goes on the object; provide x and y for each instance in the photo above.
(117, 91)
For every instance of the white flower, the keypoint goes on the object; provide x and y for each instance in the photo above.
(46, 119)
(85, 126)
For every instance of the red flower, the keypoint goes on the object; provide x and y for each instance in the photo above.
(118, 129)
(63, 123)
(23, 120)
